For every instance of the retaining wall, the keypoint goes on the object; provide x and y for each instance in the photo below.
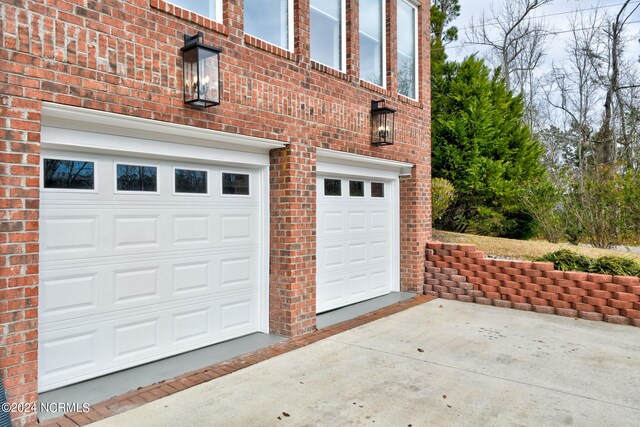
(459, 271)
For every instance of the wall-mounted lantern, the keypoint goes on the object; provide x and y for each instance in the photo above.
(201, 72)
(382, 123)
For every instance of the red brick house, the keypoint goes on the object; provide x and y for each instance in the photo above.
(135, 226)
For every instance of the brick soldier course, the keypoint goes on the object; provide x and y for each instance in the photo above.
(124, 57)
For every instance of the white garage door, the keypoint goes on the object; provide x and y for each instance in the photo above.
(143, 258)
(355, 239)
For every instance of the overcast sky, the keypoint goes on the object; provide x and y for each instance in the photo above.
(560, 9)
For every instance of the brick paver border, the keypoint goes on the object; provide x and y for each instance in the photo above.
(156, 391)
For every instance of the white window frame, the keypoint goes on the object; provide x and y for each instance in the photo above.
(324, 188)
(218, 8)
(416, 70)
(343, 39)
(384, 191)
(384, 46)
(70, 158)
(290, 30)
(195, 169)
(235, 171)
(364, 188)
(128, 162)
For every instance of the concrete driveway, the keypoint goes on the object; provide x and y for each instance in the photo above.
(443, 363)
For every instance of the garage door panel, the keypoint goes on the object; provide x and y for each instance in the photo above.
(331, 256)
(379, 220)
(132, 277)
(155, 234)
(130, 338)
(167, 279)
(236, 272)
(357, 221)
(331, 222)
(136, 339)
(357, 254)
(237, 228)
(191, 229)
(380, 250)
(74, 351)
(192, 278)
(380, 281)
(357, 285)
(136, 286)
(332, 289)
(69, 234)
(336, 256)
(68, 296)
(191, 325)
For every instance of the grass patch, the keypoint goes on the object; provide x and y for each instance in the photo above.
(524, 249)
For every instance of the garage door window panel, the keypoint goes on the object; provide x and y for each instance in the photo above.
(68, 174)
(137, 178)
(191, 181)
(332, 187)
(377, 189)
(235, 184)
(356, 188)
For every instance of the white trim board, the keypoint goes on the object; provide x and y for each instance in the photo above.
(83, 119)
(92, 142)
(329, 161)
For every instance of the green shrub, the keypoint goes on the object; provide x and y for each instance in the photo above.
(617, 265)
(567, 260)
(442, 195)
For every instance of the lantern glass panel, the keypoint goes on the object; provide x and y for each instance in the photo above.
(190, 71)
(209, 82)
(376, 124)
(389, 127)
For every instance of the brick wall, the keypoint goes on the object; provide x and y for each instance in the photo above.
(459, 271)
(124, 57)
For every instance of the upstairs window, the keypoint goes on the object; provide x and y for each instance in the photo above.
(407, 49)
(327, 32)
(212, 9)
(372, 42)
(269, 20)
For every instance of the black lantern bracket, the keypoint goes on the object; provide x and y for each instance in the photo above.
(382, 123)
(201, 72)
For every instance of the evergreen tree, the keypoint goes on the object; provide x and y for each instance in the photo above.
(481, 144)
(443, 12)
